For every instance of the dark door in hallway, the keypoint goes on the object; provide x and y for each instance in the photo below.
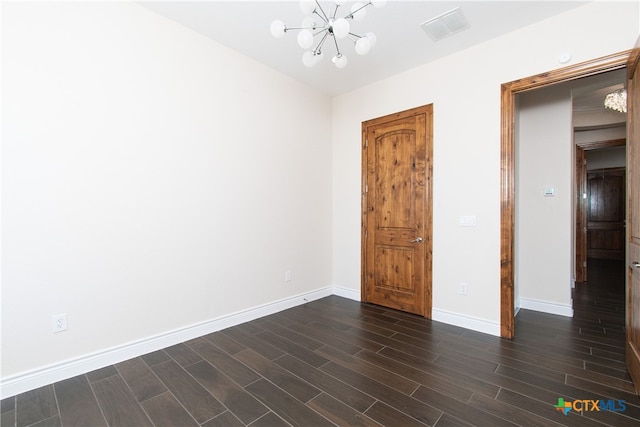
(606, 213)
(397, 211)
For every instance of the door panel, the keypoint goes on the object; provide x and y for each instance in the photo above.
(606, 214)
(633, 216)
(396, 250)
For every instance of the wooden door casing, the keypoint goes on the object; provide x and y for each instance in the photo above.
(397, 211)
(633, 216)
(508, 166)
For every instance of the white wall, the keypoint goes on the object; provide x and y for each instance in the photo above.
(151, 180)
(544, 224)
(465, 91)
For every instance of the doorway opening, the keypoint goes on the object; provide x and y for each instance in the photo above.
(508, 168)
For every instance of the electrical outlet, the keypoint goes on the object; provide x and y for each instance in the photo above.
(287, 276)
(463, 289)
(59, 322)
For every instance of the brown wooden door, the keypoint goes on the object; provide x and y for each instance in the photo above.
(633, 216)
(397, 211)
(606, 213)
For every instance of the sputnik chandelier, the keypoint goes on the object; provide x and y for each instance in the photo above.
(329, 27)
(617, 100)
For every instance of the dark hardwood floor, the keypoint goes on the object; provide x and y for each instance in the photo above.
(339, 362)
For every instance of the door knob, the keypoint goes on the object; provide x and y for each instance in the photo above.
(417, 240)
(636, 264)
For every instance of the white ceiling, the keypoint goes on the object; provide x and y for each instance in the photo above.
(402, 44)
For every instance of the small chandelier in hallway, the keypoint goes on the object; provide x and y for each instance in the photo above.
(617, 100)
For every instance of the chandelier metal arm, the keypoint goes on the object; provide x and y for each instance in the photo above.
(339, 54)
(318, 48)
(353, 12)
(324, 15)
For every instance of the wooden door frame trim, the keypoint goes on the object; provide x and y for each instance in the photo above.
(507, 166)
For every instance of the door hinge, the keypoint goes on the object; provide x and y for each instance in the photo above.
(366, 234)
(366, 143)
(366, 188)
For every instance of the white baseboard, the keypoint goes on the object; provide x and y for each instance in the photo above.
(346, 293)
(468, 322)
(547, 307)
(22, 382)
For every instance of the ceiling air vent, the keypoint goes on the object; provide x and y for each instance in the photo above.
(444, 25)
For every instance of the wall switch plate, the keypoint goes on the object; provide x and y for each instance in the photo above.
(59, 322)
(468, 221)
(287, 276)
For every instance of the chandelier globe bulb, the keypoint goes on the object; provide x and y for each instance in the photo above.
(277, 28)
(305, 39)
(340, 60)
(309, 59)
(363, 46)
(340, 28)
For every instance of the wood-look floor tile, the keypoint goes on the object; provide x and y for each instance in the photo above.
(383, 376)
(101, 374)
(290, 334)
(36, 405)
(286, 406)
(269, 420)
(339, 413)
(165, 411)
(78, 406)
(198, 401)
(509, 412)
(417, 376)
(326, 338)
(155, 358)
(451, 378)
(246, 407)
(182, 354)
(226, 419)
(143, 382)
(225, 343)
(232, 367)
(325, 382)
(8, 418)
(118, 404)
(300, 389)
(408, 405)
(259, 346)
(49, 422)
(453, 407)
(388, 416)
(292, 348)
(450, 421)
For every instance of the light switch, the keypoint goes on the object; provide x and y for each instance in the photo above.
(549, 192)
(467, 221)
